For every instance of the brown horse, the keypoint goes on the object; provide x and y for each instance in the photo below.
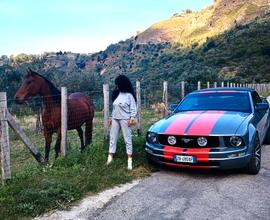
(80, 110)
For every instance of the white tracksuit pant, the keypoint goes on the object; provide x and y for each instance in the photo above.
(118, 124)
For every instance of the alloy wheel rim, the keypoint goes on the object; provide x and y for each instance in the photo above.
(258, 155)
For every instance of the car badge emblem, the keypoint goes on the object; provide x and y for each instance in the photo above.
(172, 140)
(186, 140)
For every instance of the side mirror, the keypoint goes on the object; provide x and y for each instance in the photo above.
(173, 107)
(261, 106)
(264, 100)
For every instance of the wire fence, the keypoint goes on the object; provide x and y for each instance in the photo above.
(29, 118)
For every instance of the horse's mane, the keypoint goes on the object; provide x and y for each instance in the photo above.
(56, 94)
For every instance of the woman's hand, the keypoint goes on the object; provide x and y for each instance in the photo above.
(110, 121)
(131, 122)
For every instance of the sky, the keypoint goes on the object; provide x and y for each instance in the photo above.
(80, 26)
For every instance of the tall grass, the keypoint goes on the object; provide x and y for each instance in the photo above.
(36, 189)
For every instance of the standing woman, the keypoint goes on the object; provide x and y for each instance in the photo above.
(123, 116)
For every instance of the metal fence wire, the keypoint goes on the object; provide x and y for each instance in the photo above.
(29, 117)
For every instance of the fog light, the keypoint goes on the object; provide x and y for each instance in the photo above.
(234, 155)
(202, 141)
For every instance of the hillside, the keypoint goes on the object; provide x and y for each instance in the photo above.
(228, 41)
(188, 27)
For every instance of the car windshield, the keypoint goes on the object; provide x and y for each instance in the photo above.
(224, 101)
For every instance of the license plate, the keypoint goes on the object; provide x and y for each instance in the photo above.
(184, 159)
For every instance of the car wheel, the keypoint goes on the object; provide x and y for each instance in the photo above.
(254, 165)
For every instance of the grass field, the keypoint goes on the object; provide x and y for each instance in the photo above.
(36, 189)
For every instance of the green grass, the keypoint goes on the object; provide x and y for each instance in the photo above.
(36, 189)
(265, 94)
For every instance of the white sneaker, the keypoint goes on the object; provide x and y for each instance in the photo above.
(129, 167)
(110, 159)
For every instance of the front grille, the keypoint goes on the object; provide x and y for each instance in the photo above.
(188, 141)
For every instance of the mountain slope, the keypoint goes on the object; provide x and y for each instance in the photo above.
(229, 41)
(188, 28)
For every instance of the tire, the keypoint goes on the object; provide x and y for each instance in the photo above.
(254, 165)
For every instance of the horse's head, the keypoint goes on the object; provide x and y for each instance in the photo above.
(30, 87)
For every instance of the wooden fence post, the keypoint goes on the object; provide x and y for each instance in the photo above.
(199, 85)
(261, 88)
(268, 86)
(222, 84)
(5, 150)
(264, 88)
(182, 89)
(139, 107)
(106, 111)
(64, 114)
(165, 97)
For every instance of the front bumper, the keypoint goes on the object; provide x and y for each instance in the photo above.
(206, 158)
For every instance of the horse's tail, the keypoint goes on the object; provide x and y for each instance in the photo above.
(89, 122)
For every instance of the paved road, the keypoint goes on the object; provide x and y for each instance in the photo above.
(172, 194)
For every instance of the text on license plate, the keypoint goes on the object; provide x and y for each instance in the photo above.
(185, 159)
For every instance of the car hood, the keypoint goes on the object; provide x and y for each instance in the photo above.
(201, 123)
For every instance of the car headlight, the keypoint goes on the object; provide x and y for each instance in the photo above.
(202, 141)
(152, 137)
(236, 141)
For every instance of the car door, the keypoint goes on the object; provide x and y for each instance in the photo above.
(261, 116)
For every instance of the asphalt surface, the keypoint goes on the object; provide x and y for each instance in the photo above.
(186, 194)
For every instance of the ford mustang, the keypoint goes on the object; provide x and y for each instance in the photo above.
(212, 128)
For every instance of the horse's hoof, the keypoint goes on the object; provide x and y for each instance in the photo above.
(56, 156)
(88, 143)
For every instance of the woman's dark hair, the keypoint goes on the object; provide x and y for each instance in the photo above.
(123, 85)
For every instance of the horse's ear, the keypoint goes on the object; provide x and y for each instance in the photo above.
(30, 72)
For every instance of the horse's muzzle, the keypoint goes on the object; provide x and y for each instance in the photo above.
(19, 100)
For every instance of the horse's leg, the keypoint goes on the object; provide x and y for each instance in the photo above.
(88, 132)
(48, 141)
(57, 143)
(80, 133)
